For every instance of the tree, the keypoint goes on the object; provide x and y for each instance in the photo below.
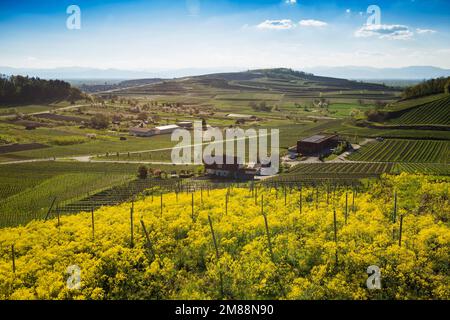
(143, 116)
(142, 172)
(100, 121)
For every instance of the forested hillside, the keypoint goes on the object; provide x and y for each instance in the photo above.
(433, 86)
(26, 90)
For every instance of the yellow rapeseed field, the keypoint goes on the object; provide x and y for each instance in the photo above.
(306, 254)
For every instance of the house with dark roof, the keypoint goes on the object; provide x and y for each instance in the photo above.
(317, 144)
(231, 168)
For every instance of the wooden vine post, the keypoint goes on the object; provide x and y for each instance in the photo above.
(267, 229)
(394, 214)
(328, 194)
(335, 235)
(93, 223)
(301, 200)
(148, 243)
(217, 255)
(131, 225)
(353, 201)
(50, 209)
(317, 197)
(346, 206)
(400, 232)
(13, 255)
(161, 204)
(57, 215)
(192, 207)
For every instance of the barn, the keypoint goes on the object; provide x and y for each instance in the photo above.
(317, 144)
(142, 132)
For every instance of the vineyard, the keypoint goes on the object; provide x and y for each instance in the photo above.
(242, 243)
(426, 168)
(396, 150)
(28, 190)
(34, 203)
(432, 113)
(334, 171)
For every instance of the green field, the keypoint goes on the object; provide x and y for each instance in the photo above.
(393, 150)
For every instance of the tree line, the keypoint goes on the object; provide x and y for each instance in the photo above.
(429, 87)
(26, 90)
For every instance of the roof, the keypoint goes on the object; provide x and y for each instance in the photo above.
(168, 127)
(317, 138)
(237, 115)
(139, 129)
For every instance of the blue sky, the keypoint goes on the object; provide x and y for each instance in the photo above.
(155, 35)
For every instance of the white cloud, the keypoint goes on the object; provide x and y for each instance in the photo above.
(348, 11)
(385, 31)
(284, 24)
(291, 1)
(425, 31)
(312, 23)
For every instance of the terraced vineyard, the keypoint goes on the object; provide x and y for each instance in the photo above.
(334, 171)
(427, 168)
(432, 113)
(393, 150)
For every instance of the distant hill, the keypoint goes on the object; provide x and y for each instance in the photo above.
(77, 73)
(294, 84)
(369, 73)
(347, 72)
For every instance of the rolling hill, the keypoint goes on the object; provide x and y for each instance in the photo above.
(293, 84)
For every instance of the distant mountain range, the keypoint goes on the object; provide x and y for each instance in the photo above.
(73, 73)
(348, 72)
(369, 73)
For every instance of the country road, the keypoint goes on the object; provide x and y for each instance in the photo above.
(46, 111)
(88, 158)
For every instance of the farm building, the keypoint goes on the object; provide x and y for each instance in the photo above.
(142, 132)
(317, 144)
(148, 132)
(166, 129)
(241, 116)
(185, 124)
(231, 169)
